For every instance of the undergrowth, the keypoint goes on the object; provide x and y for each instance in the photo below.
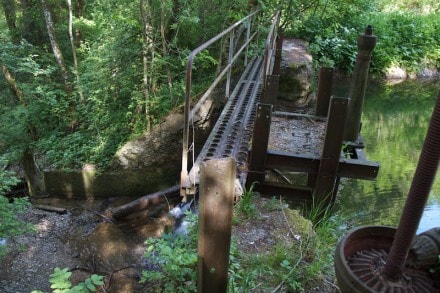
(60, 283)
(296, 262)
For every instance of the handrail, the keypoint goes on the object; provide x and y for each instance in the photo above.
(270, 46)
(184, 180)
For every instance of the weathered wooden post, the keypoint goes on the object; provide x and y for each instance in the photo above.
(215, 223)
(260, 139)
(331, 153)
(325, 85)
(365, 44)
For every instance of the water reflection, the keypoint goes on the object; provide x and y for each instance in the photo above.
(394, 125)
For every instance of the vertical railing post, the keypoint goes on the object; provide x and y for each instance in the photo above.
(325, 85)
(331, 153)
(248, 34)
(366, 43)
(278, 53)
(215, 223)
(230, 56)
(260, 139)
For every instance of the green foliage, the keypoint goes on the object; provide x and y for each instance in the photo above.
(174, 257)
(61, 284)
(407, 40)
(10, 225)
(406, 32)
(319, 211)
(245, 207)
(291, 265)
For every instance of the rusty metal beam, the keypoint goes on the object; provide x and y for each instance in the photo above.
(260, 138)
(350, 168)
(325, 85)
(271, 89)
(300, 193)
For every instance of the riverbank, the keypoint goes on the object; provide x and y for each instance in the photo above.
(86, 242)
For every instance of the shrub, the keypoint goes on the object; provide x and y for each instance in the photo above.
(61, 284)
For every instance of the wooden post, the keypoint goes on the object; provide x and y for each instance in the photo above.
(278, 52)
(325, 84)
(271, 89)
(260, 139)
(331, 153)
(217, 179)
(365, 44)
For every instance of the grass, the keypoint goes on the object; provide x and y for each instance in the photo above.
(298, 258)
(302, 261)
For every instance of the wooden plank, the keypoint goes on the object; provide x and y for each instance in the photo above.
(215, 223)
(260, 138)
(331, 152)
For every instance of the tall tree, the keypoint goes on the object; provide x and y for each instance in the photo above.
(147, 49)
(72, 44)
(56, 48)
(32, 29)
(10, 10)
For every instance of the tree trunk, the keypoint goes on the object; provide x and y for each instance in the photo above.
(165, 47)
(10, 80)
(13, 85)
(145, 202)
(55, 48)
(72, 43)
(146, 46)
(33, 28)
(10, 9)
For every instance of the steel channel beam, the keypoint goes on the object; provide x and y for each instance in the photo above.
(350, 168)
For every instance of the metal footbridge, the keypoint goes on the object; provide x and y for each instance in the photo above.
(231, 135)
(243, 128)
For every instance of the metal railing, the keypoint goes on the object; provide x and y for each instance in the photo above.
(270, 47)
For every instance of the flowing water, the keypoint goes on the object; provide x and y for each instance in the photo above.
(394, 124)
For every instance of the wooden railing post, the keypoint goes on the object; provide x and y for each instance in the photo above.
(260, 139)
(331, 153)
(215, 223)
(325, 85)
(365, 44)
(270, 92)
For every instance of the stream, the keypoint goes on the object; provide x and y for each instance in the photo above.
(394, 124)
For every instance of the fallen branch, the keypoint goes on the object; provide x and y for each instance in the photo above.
(145, 202)
(53, 209)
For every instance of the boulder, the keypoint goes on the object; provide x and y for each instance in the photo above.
(296, 70)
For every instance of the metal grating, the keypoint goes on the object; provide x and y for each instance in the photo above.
(232, 133)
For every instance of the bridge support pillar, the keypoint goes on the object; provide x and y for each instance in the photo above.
(260, 139)
(325, 85)
(271, 90)
(328, 167)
